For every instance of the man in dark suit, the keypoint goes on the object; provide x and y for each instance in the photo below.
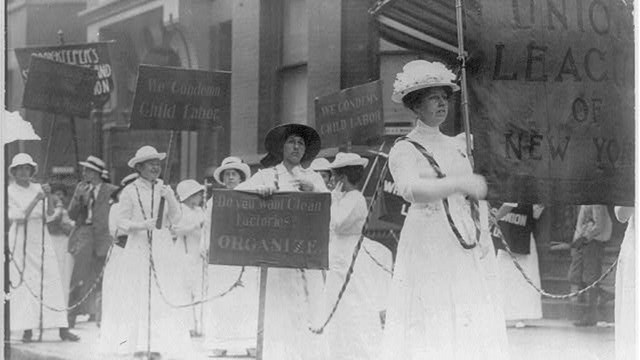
(90, 241)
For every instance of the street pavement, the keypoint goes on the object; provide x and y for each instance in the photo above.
(543, 340)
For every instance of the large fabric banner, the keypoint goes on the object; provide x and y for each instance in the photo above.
(551, 88)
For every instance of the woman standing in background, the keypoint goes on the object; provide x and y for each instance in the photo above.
(232, 320)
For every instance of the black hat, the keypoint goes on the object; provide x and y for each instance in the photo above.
(274, 141)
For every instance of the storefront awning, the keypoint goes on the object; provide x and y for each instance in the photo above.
(421, 25)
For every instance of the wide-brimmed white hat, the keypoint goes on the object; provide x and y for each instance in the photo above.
(232, 162)
(348, 159)
(23, 159)
(320, 164)
(421, 74)
(187, 188)
(146, 153)
(94, 163)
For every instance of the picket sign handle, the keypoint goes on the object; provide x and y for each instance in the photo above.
(373, 166)
(261, 311)
(166, 175)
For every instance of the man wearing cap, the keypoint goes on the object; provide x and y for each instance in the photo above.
(90, 241)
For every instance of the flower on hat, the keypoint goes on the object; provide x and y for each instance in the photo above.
(420, 74)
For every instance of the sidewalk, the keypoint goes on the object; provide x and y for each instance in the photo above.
(545, 339)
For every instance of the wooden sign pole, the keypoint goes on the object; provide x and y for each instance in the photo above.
(261, 311)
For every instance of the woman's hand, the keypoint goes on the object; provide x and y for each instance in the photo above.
(166, 191)
(474, 186)
(149, 224)
(265, 191)
(303, 184)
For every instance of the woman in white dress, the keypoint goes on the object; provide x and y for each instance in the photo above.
(625, 306)
(294, 296)
(60, 226)
(148, 321)
(27, 237)
(232, 320)
(355, 330)
(189, 237)
(112, 291)
(522, 302)
(440, 303)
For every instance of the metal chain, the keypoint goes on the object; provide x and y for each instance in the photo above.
(24, 255)
(390, 272)
(237, 283)
(84, 298)
(356, 250)
(493, 221)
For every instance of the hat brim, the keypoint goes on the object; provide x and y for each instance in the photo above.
(192, 192)
(242, 167)
(359, 162)
(396, 97)
(137, 160)
(90, 166)
(274, 141)
(33, 165)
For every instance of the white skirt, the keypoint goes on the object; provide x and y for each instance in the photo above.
(521, 300)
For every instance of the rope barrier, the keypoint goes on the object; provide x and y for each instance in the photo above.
(356, 250)
(493, 221)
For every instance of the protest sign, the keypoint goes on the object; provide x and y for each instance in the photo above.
(285, 230)
(351, 115)
(169, 98)
(91, 55)
(59, 88)
(394, 207)
(552, 99)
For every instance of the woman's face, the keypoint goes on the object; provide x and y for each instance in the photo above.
(293, 150)
(434, 107)
(23, 173)
(326, 177)
(231, 178)
(195, 199)
(58, 198)
(150, 169)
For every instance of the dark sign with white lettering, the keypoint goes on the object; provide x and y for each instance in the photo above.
(91, 55)
(394, 207)
(285, 230)
(552, 99)
(59, 88)
(169, 98)
(351, 115)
